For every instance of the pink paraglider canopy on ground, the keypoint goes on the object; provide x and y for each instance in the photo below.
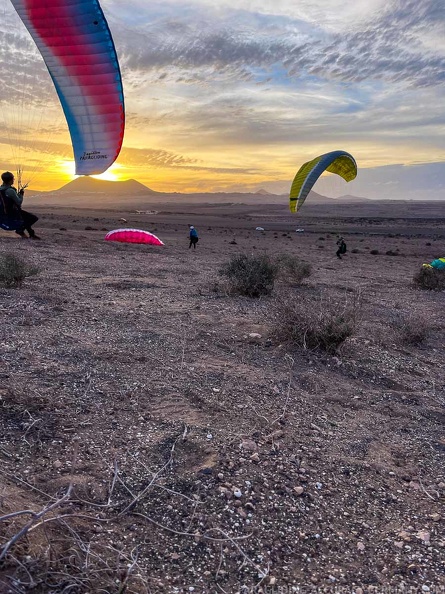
(133, 236)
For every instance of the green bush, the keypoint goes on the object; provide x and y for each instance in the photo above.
(292, 269)
(14, 270)
(252, 276)
(316, 322)
(430, 279)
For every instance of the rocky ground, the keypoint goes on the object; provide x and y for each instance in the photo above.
(162, 437)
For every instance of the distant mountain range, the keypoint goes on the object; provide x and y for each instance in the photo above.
(88, 192)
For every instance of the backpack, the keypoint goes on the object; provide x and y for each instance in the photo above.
(343, 248)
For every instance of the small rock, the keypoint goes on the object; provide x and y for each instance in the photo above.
(57, 464)
(255, 335)
(298, 490)
(249, 445)
(404, 535)
(360, 546)
(436, 517)
(424, 536)
(255, 457)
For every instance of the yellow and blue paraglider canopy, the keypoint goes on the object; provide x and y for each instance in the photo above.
(339, 162)
(438, 263)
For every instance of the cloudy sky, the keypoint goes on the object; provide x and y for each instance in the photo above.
(236, 98)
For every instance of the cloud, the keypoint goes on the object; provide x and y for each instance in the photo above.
(202, 40)
(244, 89)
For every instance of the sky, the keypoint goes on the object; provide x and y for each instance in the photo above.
(237, 97)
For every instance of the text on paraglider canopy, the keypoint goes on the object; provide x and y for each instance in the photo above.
(93, 155)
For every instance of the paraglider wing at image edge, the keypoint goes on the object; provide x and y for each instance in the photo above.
(76, 45)
(133, 236)
(438, 264)
(339, 162)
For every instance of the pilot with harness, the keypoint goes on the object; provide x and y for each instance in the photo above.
(12, 216)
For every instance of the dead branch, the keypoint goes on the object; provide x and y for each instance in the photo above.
(17, 513)
(34, 520)
(291, 365)
(192, 534)
(144, 491)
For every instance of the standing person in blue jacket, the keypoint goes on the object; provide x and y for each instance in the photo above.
(193, 235)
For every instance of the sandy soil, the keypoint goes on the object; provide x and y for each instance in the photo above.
(206, 455)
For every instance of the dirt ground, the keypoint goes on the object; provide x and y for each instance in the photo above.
(185, 446)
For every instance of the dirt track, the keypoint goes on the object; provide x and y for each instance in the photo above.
(201, 456)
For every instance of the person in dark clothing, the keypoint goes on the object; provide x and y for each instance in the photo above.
(341, 247)
(193, 235)
(12, 216)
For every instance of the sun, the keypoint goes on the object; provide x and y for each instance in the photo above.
(111, 174)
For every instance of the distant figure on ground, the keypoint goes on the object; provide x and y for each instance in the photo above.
(341, 247)
(193, 235)
(12, 216)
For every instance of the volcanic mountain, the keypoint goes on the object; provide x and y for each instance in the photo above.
(90, 185)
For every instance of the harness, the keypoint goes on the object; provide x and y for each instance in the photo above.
(10, 217)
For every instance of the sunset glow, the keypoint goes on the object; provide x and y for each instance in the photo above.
(237, 98)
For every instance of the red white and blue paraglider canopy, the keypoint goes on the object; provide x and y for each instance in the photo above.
(75, 41)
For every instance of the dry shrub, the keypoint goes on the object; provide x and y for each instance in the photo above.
(317, 322)
(14, 270)
(252, 276)
(292, 269)
(374, 252)
(431, 279)
(412, 329)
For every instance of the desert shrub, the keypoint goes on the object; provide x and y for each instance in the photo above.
(252, 276)
(412, 329)
(430, 278)
(292, 269)
(391, 253)
(374, 252)
(318, 322)
(14, 270)
(355, 251)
